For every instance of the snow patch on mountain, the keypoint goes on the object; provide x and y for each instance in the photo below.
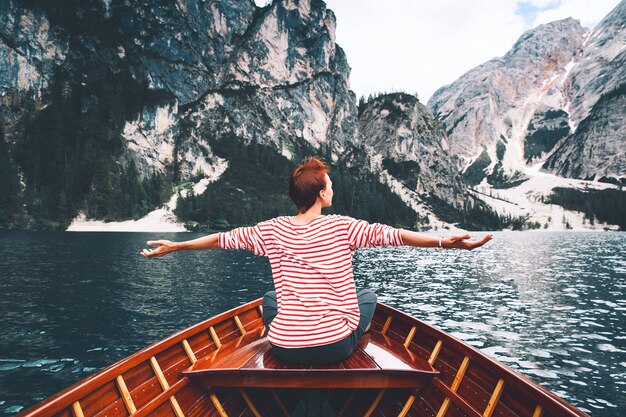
(525, 200)
(162, 219)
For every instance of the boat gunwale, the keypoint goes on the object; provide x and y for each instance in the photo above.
(520, 382)
(64, 398)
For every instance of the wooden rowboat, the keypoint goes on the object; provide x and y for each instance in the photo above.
(224, 367)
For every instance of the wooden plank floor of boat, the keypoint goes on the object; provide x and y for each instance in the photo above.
(248, 361)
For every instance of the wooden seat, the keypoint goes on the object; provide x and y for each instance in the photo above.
(378, 362)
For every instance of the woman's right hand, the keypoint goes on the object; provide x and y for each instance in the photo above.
(163, 248)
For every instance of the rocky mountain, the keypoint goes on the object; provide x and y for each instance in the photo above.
(596, 88)
(487, 112)
(539, 100)
(281, 61)
(410, 145)
(194, 113)
(600, 68)
(110, 109)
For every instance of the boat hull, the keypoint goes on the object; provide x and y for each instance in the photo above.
(158, 380)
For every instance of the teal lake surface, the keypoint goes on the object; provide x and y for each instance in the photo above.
(551, 305)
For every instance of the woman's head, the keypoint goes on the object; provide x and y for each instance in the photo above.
(308, 182)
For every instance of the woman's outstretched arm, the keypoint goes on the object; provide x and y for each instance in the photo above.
(453, 242)
(163, 247)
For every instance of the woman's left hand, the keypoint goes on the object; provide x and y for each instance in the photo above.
(163, 248)
(461, 242)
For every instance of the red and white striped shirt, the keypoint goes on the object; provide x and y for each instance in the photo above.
(312, 271)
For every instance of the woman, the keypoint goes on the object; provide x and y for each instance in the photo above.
(315, 314)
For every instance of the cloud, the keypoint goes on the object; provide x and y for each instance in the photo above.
(588, 12)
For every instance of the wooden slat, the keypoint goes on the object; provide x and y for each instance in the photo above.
(189, 352)
(347, 403)
(159, 374)
(444, 407)
(375, 403)
(77, 409)
(409, 338)
(460, 374)
(165, 385)
(154, 403)
(232, 356)
(407, 405)
(128, 400)
(239, 325)
(495, 397)
(309, 378)
(435, 353)
(455, 384)
(176, 407)
(249, 402)
(218, 405)
(538, 411)
(261, 310)
(459, 401)
(387, 324)
(216, 339)
(280, 403)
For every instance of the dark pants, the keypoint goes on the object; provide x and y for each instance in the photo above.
(330, 353)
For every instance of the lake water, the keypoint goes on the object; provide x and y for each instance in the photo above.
(549, 304)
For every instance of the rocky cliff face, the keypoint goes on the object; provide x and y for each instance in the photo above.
(596, 150)
(412, 147)
(29, 51)
(514, 111)
(600, 68)
(285, 82)
(494, 103)
(595, 88)
(147, 89)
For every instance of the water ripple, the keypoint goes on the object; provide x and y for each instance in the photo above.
(542, 303)
(550, 305)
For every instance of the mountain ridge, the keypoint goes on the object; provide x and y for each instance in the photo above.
(531, 101)
(127, 108)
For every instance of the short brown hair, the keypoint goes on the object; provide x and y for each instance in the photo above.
(306, 181)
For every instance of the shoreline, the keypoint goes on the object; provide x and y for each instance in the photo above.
(141, 226)
(155, 221)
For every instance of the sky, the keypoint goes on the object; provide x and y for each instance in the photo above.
(417, 46)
